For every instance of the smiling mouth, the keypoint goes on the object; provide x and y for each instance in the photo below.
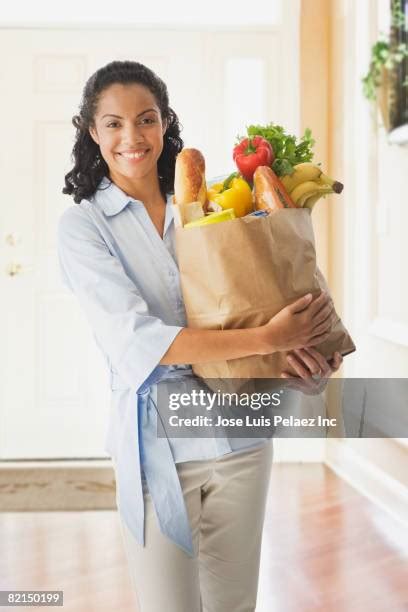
(137, 155)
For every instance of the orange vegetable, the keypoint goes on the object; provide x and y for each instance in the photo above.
(270, 193)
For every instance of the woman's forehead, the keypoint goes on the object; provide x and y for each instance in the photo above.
(131, 98)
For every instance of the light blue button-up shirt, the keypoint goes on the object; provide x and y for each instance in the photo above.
(126, 279)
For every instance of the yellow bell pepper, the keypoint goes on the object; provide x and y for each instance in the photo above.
(238, 196)
(213, 191)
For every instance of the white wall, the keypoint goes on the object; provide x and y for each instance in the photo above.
(136, 12)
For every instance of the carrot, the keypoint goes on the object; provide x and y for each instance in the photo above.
(270, 193)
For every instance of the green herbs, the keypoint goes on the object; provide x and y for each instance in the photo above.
(287, 151)
(382, 56)
(397, 15)
(385, 55)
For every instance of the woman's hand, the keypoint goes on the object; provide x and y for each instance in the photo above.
(304, 323)
(312, 370)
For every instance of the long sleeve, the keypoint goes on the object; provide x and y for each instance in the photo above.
(133, 340)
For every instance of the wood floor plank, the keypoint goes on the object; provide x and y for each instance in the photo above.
(326, 548)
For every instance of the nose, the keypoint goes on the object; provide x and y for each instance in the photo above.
(133, 135)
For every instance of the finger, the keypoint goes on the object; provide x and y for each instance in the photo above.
(295, 381)
(299, 368)
(325, 365)
(319, 303)
(301, 303)
(315, 340)
(324, 313)
(336, 362)
(322, 328)
(289, 374)
(309, 361)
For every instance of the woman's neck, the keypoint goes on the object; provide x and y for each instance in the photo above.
(147, 190)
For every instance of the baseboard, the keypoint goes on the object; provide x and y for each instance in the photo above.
(90, 484)
(57, 485)
(369, 479)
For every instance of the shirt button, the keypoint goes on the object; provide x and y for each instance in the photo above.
(172, 273)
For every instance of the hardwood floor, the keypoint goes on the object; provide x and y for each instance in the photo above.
(328, 549)
(325, 549)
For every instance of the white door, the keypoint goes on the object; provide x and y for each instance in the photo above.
(54, 385)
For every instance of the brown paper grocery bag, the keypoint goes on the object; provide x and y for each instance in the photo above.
(240, 273)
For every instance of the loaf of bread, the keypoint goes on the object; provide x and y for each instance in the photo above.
(270, 193)
(189, 180)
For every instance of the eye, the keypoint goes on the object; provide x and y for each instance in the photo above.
(148, 120)
(112, 124)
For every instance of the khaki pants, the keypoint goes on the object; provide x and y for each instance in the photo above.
(225, 500)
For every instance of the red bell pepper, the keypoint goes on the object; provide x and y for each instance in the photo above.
(251, 153)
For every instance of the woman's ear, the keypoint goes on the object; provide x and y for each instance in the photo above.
(94, 135)
(164, 126)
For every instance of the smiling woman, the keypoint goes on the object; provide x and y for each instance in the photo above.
(184, 503)
(125, 118)
(130, 137)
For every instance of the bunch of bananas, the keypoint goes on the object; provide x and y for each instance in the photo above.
(307, 184)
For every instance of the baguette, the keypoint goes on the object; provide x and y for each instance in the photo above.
(189, 179)
(270, 193)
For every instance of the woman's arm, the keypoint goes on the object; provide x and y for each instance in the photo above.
(302, 323)
(206, 345)
(135, 341)
(131, 338)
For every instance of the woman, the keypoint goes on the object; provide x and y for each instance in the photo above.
(191, 510)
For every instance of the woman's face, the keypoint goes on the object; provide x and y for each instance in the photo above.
(129, 131)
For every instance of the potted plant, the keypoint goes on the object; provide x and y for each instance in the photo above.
(386, 81)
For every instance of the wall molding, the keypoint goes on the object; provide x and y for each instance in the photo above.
(87, 484)
(371, 481)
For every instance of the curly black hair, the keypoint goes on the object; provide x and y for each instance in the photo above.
(89, 166)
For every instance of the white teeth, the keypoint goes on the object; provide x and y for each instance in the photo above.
(137, 155)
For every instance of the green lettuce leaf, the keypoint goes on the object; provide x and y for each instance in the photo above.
(287, 149)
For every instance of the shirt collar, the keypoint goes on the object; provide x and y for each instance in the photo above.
(113, 200)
